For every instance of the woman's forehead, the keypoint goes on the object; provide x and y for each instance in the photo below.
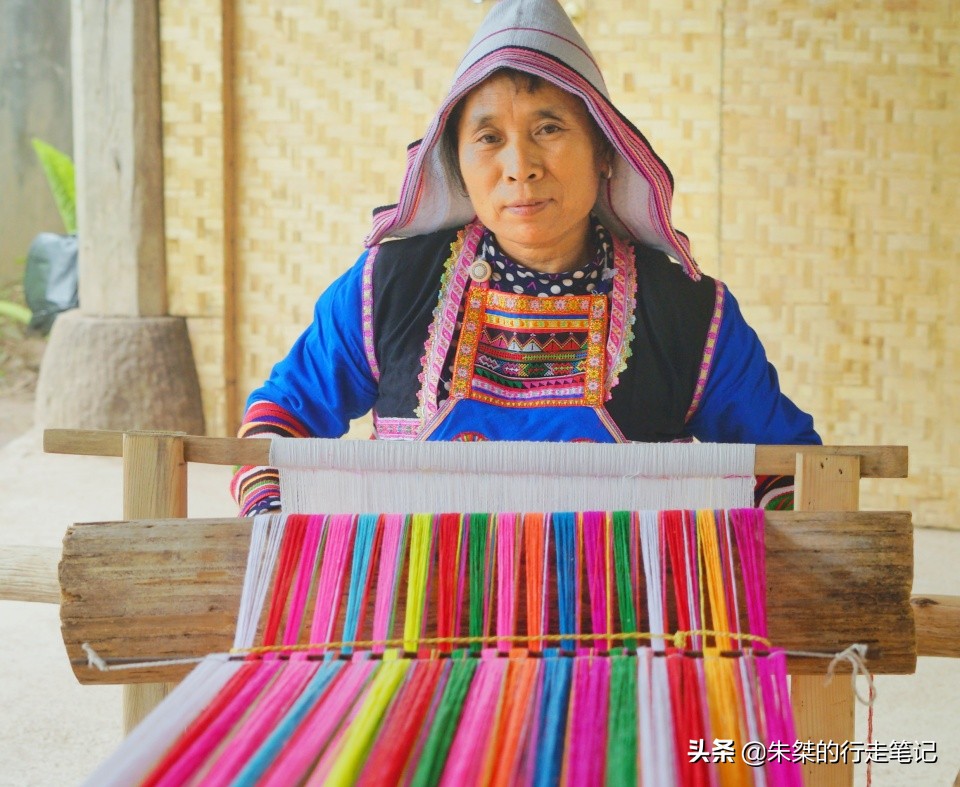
(503, 94)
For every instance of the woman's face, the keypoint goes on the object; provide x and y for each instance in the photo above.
(531, 169)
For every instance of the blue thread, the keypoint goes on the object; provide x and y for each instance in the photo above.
(557, 672)
(270, 748)
(564, 532)
(359, 572)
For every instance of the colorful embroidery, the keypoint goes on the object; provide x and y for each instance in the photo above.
(395, 428)
(530, 351)
(708, 349)
(470, 437)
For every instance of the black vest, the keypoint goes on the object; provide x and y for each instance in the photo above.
(650, 402)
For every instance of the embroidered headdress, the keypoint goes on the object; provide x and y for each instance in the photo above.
(537, 37)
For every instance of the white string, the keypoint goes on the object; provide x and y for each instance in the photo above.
(94, 659)
(265, 539)
(343, 476)
(656, 720)
(856, 654)
(663, 718)
(653, 582)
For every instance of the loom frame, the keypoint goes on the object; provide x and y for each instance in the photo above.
(154, 483)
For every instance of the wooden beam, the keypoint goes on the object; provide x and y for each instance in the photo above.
(29, 573)
(876, 461)
(938, 625)
(825, 711)
(140, 591)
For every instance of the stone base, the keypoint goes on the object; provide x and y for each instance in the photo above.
(120, 373)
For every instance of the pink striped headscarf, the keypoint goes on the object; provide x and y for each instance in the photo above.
(537, 37)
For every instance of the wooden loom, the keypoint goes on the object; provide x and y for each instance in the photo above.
(163, 587)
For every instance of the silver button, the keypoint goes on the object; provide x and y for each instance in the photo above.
(480, 271)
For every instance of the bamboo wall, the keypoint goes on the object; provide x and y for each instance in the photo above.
(813, 145)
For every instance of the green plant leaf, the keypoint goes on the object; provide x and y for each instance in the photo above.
(15, 312)
(58, 168)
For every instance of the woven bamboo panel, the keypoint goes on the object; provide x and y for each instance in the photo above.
(662, 64)
(813, 146)
(190, 47)
(840, 170)
(206, 339)
(328, 97)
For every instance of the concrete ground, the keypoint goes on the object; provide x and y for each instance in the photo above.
(54, 731)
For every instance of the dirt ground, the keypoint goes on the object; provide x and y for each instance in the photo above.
(19, 365)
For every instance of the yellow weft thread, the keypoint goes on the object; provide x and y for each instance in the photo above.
(679, 639)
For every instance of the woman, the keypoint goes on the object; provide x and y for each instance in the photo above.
(531, 294)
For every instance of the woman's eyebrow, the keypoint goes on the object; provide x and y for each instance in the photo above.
(487, 118)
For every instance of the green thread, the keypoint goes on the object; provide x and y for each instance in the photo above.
(477, 558)
(621, 562)
(437, 746)
(622, 723)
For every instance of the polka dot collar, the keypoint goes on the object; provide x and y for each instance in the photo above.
(593, 278)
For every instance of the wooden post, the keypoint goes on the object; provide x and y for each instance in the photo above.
(825, 712)
(154, 485)
(119, 157)
(121, 339)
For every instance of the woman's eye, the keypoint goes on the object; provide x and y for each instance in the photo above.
(550, 128)
(487, 139)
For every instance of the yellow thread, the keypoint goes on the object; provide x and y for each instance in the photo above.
(707, 538)
(420, 531)
(679, 639)
(360, 734)
(608, 566)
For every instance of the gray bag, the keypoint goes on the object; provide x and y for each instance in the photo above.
(50, 282)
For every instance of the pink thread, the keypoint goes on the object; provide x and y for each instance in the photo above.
(336, 558)
(748, 526)
(391, 558)
(281, 694)
(220, 728)
(314, 735)
(506, 578)
(586, 754)
(596, 558)
(304, 581)
(477, 723)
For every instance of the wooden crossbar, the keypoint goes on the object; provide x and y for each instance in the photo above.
(889, 461)
(170, 589)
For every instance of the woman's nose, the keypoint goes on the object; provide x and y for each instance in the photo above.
(521, 162)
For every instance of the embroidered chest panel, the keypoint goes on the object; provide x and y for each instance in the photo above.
(527, 351)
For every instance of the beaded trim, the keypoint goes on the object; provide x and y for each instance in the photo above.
(453, 283)
(709, 348)
(366, 298)
(623, 312)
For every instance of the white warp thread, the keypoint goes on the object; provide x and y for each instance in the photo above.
(265, 539)
(141, 749)
(343, 476)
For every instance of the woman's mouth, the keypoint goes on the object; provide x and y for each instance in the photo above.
(527, 207)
